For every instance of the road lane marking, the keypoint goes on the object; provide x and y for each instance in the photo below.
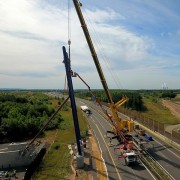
(134, 174)
(114, 158)
(3, 149)
(101, 154)
(97, 156)
(162, 167)
(155, 140)
(99, 123)
(148, 170)
(167, 149)
(109, 153)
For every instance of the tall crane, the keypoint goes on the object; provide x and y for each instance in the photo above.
(119, 124)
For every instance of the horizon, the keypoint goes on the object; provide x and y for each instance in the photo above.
(24, 89)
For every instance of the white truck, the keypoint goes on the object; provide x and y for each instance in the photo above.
(85, 109)
(129, 155)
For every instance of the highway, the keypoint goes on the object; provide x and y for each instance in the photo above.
(166, 156)
(116, 169)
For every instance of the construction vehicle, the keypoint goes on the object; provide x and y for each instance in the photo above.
(129, 153)
(130, 156)
(139, 130)
(120, 126)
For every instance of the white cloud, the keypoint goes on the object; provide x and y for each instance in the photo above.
(28, 16)
(125, 44)
(101, 16)
(32, 35)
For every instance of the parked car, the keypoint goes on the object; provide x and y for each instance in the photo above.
(148, 137)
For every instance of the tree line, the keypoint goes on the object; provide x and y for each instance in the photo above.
(21, 117)
(168, 94)
(135, 99)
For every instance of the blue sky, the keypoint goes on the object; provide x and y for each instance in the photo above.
(137, 42)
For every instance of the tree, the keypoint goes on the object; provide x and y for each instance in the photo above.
(22, 119)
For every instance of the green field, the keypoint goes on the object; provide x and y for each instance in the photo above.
(56, 163)
(156, 111)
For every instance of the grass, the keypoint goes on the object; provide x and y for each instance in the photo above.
(177, 98)
(158, 112)
(56, 164)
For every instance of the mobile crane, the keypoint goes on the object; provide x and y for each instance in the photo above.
(120, 126)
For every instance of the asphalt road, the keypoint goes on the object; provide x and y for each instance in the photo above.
(116, 168)
(164, 154)
(167, 157)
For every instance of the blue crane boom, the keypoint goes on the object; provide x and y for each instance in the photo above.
(72, 99)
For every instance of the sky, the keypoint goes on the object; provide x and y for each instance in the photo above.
(137, 43)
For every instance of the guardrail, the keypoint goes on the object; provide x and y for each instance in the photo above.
(155, 133)
(160, 136)
(158, 171)
(155, 167)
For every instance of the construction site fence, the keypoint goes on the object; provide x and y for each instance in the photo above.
(152, 124)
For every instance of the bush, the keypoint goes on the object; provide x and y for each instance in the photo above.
(56, 146)
(22, 119)
(84, 133)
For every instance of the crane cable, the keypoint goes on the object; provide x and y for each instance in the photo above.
(69, 27)
(101, 50)
(69, 44)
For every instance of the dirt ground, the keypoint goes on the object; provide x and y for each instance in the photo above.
(174, 107)
(94, 167)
